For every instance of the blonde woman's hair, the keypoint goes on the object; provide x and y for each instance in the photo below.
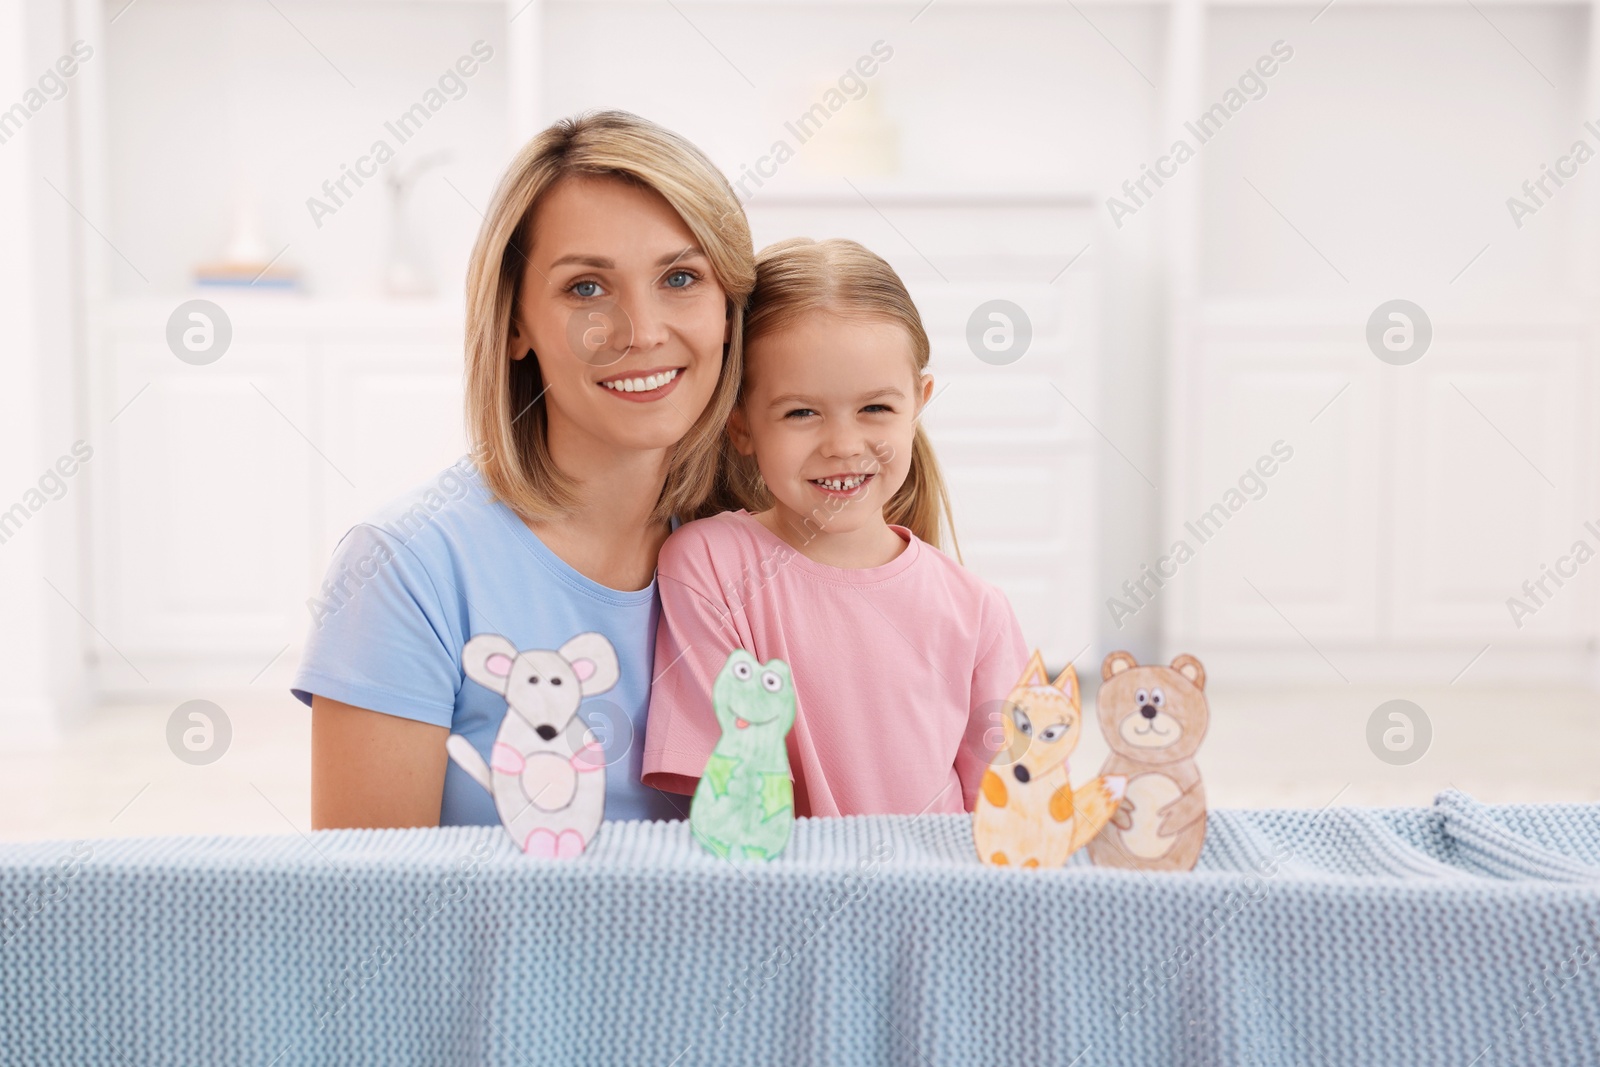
(800, 276)
(506, 421)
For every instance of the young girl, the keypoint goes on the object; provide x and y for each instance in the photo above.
(900, 657)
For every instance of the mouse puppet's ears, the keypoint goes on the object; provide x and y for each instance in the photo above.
(545, 769)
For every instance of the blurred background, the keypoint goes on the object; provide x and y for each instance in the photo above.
(1263, 331)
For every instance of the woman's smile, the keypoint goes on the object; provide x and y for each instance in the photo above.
(641, 387)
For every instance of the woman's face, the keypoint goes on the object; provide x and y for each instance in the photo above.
(619, 306)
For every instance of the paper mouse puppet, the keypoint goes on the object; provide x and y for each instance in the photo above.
(1154, 719)
(546, 772)
(743, 807)
(1028, 814)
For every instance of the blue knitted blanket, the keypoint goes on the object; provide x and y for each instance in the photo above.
(1458, 934)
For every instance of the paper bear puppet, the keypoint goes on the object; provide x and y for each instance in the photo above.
(1028, 814)
(546, 772)
(1154, 719)
(743, 807)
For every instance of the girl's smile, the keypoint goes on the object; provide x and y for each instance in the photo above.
(843, 485)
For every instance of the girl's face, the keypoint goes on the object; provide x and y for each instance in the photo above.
(829, 412)
(619, 305)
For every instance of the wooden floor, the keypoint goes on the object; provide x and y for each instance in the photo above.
(116, 777)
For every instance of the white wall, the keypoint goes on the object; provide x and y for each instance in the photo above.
(1376, 165)
(46, 641)
(223, 107)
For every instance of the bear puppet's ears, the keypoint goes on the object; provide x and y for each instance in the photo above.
(1191, 669)
(1116, 663)
(1185, 664)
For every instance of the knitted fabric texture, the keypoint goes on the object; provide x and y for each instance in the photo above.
(1456, 934)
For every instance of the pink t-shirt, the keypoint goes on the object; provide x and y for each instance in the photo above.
(899, 670)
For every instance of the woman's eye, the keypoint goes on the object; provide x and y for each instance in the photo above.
(681, 279)
(585, 289)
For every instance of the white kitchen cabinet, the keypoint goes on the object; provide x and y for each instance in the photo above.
(1487, 462)
(201, 491)
(223, 488)
(1308, 546)
(1418, 500)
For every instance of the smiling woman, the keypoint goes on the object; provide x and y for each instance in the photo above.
(604, 312)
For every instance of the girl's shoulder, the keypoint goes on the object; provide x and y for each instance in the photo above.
(723, 524)
(703, 544)
(958, 585)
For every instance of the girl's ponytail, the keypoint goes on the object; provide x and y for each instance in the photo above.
(922, 504)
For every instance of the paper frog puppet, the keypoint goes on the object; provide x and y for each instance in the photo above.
(546, 772)
(1028, 814)
(743, 807)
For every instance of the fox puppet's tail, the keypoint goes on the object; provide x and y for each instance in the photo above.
(1094, 803)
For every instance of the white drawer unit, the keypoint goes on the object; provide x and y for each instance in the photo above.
(1420, 504)
(228, 484)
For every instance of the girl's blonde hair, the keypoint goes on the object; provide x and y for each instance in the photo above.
(506, 423)
(799, 276)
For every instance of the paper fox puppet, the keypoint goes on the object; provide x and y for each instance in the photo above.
(1028, 814)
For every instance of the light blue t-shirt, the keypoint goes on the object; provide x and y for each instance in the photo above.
(434, 568)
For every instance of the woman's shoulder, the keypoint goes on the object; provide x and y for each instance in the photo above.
(440, 525)
(454, 495)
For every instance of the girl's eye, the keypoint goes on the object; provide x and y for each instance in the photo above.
(681, 279)
(799, 413)
(585, 289)
(878, 409)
